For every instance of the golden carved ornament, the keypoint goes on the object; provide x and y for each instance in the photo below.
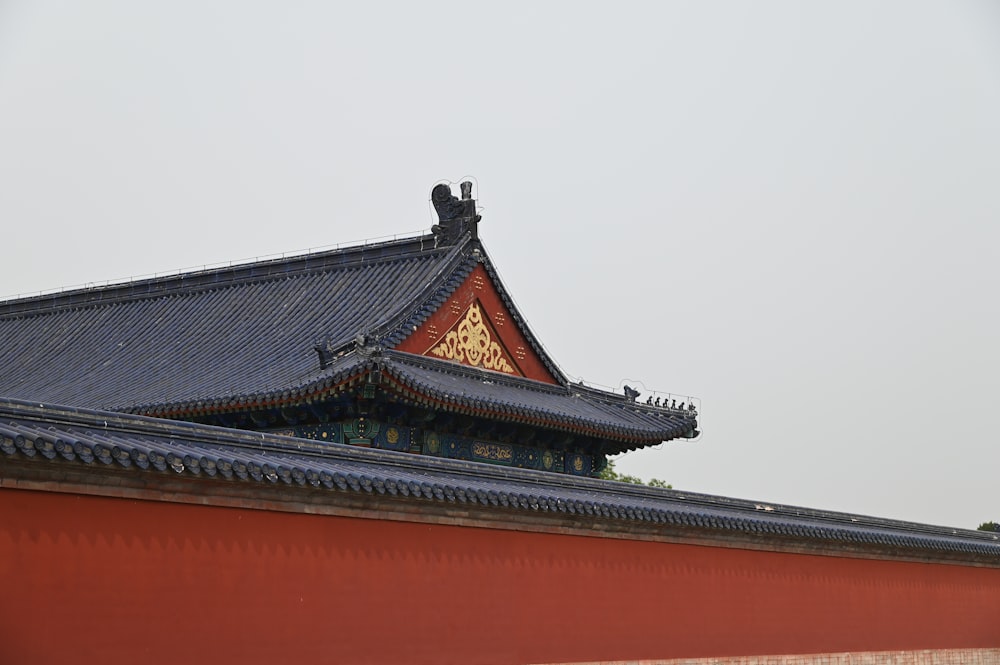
(493, 451)
(472, 343)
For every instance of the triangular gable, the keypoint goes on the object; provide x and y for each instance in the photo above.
(475, 328)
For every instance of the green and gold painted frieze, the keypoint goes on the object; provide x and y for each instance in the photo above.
(375, 434)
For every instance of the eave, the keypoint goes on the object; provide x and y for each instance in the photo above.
(481, 394)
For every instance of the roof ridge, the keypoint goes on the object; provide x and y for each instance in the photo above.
(196, 280)
(437, 290)
(508, 300)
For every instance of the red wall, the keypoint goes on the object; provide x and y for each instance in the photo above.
(88, 579)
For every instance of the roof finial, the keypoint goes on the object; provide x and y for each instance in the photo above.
(456, 217)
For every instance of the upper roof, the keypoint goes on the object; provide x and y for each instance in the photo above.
(214, 334)
(283, 330)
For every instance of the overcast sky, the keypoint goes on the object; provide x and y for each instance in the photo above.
(788, 210)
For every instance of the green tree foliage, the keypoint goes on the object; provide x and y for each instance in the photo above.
(609, 473)
(989, 526)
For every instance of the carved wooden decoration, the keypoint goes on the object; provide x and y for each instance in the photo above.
(475, 327)
(472, 343)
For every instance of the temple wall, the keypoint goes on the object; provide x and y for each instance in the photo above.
(920, 657)
(118, 580)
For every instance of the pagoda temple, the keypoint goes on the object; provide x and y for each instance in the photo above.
(410, 345)
(364, 455)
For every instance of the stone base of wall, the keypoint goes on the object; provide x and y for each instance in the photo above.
(923, 657)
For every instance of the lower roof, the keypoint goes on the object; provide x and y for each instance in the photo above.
(445, 385)
(52, 435)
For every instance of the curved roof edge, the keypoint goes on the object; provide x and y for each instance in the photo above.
(474, 391)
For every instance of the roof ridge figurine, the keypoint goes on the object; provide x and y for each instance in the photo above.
(456, 217)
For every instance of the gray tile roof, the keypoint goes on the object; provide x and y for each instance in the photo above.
(248, 335)
(228, 332)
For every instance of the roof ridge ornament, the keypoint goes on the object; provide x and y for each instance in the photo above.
(456, 217)
(324, 349)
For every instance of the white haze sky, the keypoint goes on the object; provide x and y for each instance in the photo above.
(788, 210)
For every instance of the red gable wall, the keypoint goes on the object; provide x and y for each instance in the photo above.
(88, 579)
(498, 325)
